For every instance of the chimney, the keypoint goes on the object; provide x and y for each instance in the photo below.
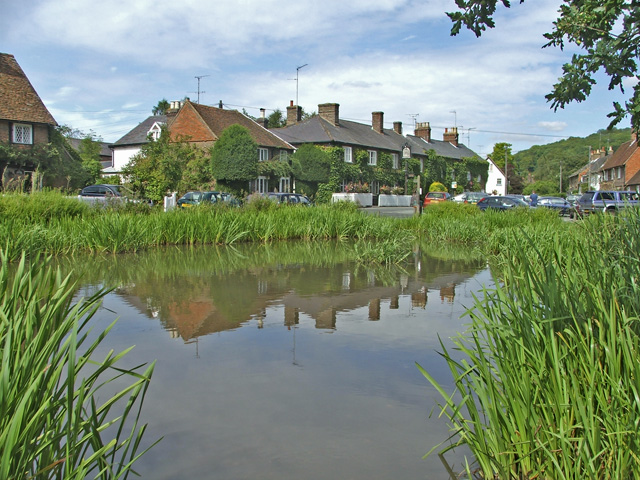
(377, 121)
(423, 130)
(174, 107)
(294, 114)
(397, 127)
(330, 112)
(262, 121)
(451, 136)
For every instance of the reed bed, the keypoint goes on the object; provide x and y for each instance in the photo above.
(63, 412)
(547, 378)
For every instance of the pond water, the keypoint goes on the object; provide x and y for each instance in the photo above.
(287, 362)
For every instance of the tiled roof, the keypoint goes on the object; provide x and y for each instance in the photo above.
(621, 155)
(318, 130)
(635, 180)
(138, 136)
(105, 151)
(19, 101)
(218, 119)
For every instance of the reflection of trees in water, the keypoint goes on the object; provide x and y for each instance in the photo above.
(197, 291)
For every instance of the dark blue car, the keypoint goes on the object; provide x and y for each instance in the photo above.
(499, 202)
(559, 204)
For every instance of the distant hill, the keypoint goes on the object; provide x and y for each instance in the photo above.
(542, 162)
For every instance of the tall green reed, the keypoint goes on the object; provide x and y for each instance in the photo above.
(61, 413)
(547, 378)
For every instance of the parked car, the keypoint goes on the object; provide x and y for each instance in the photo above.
(289, 198)
(191, 199)
(606, 201)
(556, 203)
(469, 197)
(435, 197)
(105, 193)
(572, 199)
(501, 202)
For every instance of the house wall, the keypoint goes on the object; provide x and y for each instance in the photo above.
(493, 175)
(122, 155)
(40, 132)
(632, 166)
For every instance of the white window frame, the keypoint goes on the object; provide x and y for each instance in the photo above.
(263, 154)
(348, 155)
(373, 157)
(285, 184)
(262, 185)
(468, 176)
(619, 172)
(395, 160)
(499, 182)
(22, 133)
(155, 131)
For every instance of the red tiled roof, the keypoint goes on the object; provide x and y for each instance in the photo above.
(19, 101)
(218, 120)
(621, 155)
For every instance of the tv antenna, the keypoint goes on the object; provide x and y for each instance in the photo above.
(297, 72)
(199, 77)
(414, 116)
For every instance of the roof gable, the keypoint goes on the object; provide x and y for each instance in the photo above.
(139, 135)
(621, 155)
(19, 101)
(202, 123)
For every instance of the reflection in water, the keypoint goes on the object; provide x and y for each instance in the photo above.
(192, 293)
(272, 395)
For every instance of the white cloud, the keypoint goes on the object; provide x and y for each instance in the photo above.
(553, 126)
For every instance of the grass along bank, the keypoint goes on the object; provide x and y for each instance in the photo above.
(52, 224)
(548, 386)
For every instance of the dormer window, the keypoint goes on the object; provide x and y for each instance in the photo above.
(155, 131)
(22, 134)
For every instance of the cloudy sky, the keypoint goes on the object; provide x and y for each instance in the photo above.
(102, 66)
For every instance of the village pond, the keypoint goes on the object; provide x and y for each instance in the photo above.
(286, 361)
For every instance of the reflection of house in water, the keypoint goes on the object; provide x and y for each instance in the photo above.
(448, 292)
(201, 306)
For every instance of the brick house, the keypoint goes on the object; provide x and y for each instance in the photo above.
(25, 121)
(328, 129)
(202, 125)
(589, 176)
(619, 172)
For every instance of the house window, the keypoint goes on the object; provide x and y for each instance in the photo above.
(499, 182)
(468, 176)
(375, 187)
(22, 134)
(343, 185)
(263, 154)
(395, 158)
(285, 184)
(619, 172)
(479, 178)
(348, 155)
(373, 157)
(283, 156)
(259, 185)
(155, 131)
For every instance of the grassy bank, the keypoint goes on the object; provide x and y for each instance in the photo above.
(548, 386)
(52, 224)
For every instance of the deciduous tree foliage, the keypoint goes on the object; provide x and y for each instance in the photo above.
(234, 156)
(608, 31)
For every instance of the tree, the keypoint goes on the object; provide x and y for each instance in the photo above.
(588, 25)
(159, 166)
(89, 151)
(161, 108)
(276, 119)
(234, 157)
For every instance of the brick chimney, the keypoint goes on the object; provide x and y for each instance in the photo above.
(451, 136)
(397, 127)
(377, 121)
(294, 114)
(423, 130)
(330, 112)
(263, 119)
